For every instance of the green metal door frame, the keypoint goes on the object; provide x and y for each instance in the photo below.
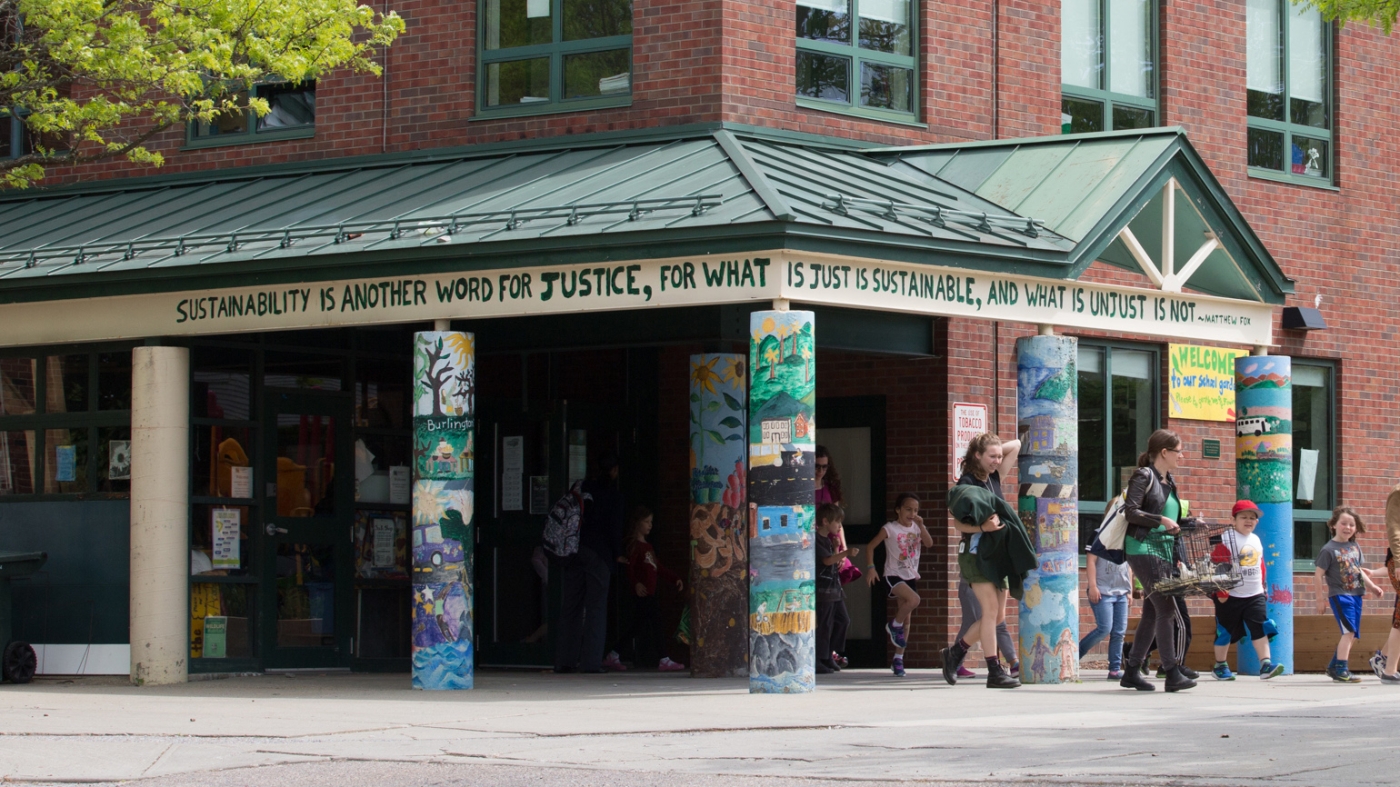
(334, 530)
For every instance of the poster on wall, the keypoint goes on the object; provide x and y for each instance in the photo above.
(119, 461)
(67, 463)
(226, 527)
(1202, 386)
(969, 420)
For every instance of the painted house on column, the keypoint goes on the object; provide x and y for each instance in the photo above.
(596, 207)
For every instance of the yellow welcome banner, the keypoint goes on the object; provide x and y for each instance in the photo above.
(1203, 382)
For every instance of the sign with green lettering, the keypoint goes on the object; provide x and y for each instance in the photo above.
(1202, 382)
(762, 277)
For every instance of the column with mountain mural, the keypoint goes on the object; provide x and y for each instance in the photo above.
(719, 542)
(1264, 474)
(782, 497)
(444, 434)
(1047, 421)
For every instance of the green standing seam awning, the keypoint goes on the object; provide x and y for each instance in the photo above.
(1042, 207)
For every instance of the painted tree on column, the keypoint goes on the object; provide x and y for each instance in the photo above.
(444, 368)
(782, 495)
(719, 543)
(1047, 420)
(1264, 474)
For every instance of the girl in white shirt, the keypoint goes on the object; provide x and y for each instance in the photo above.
(904, 539)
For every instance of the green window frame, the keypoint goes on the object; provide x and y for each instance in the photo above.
(61, 408)
(1117, 381)
(1101, 88)
(293, 116)
(14, 142)
(546, 56)
(1289, 89)
(1314, 429)
(859, 57)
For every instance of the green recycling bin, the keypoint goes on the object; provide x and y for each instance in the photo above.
(17, 661)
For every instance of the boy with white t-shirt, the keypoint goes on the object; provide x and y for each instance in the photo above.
(1244, 609)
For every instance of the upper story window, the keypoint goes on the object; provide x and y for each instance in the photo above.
(555, 55)
(858, 54)
(292, 114)
(12, 141)
(1108, 65)
(1288, 76)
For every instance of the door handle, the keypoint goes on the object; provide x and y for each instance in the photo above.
(273, 530)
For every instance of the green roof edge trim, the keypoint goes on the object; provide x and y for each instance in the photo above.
(760, 185)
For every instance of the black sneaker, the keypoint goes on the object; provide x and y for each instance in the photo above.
(950, 667)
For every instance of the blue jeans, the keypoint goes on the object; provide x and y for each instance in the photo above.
(1111, 615)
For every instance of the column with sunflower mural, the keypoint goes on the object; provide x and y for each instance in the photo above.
(444, 434)
(782, 496)
(718, 535)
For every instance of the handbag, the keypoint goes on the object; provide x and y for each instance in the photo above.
(849, 572)
(1108, 540)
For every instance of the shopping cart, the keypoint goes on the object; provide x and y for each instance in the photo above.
(1205, 566)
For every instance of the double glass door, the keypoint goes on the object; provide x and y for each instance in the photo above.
(309, 514)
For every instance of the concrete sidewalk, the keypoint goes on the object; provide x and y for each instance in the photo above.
(859, 725)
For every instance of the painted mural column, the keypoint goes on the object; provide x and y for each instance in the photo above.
(1047, 419)
(1264, 474)
(719, 543)
(444, 434)
(782, 499)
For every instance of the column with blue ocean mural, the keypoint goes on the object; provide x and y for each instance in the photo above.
(1264, 474)
(782, 490)
(444, 392)
(719, 538)
(1047, 417)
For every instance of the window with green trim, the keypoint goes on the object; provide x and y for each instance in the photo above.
(550, 55)
(1118, 411)
(1289, 87)
(1314, 458)
(292, 112)
(65, 423)
(13, 139)
(1108, 65)
(858, 54)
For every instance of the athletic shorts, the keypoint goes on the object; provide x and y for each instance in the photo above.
(1238, 616)
(967, 567)
(891, 582)
(1347, 611)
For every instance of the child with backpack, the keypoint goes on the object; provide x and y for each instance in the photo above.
(832, 618)
(902, 539)
(643, 573)
(1343, 583)
(1244, 609)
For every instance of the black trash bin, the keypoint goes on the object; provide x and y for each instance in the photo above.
(17, 662)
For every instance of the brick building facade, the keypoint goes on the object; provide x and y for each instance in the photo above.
(986, 70)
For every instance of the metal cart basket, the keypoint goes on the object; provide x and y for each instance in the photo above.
(1205, 565)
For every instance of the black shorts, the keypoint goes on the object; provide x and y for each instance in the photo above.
(891, 581)
(1236, 615)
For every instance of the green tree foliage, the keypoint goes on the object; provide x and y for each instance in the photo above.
(95, 79)
(1382, 13)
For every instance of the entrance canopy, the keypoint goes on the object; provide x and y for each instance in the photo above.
(700, 215)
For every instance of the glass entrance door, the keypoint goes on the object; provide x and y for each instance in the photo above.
(309, 518)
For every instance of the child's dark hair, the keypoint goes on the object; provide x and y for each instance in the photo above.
(829, 512)
(634, 522)
(903, 496)
(1338, 513)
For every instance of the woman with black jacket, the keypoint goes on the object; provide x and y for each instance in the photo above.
(1154, 513)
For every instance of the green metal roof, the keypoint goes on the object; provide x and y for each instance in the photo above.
(1030, 207)
(1087, 187)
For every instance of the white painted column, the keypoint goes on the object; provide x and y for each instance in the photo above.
(160, 497)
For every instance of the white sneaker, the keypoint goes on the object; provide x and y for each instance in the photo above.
(666, 665)
(1378, 664)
